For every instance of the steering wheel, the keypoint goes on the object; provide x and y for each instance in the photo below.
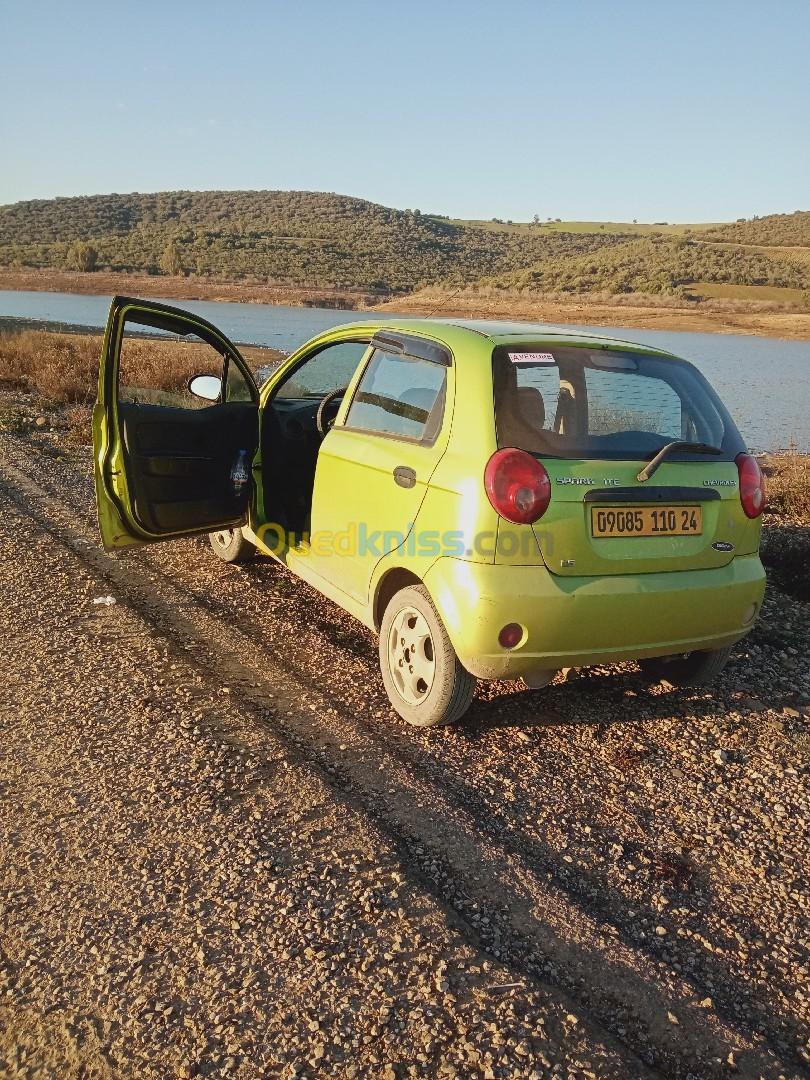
(321, 423)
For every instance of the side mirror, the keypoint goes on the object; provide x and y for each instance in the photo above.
(207, 387)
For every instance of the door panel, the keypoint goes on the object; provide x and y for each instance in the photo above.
(180, 475)
(168, 464)
(359, 510)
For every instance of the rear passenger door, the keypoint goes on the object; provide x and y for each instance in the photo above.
(375, 463)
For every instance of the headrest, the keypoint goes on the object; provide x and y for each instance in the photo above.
(531, 405)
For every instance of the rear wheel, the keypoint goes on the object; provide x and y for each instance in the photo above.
(423, 677)
(231, 546)
(693, 669)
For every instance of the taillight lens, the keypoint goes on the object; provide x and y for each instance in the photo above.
(752, 485)
(517, 486)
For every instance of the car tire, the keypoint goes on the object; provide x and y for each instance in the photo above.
(231, 546)
(424, 679)
(694, 669)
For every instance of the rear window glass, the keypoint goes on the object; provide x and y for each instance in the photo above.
(594, 403)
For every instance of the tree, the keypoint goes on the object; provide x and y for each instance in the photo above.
(536, 219)
(82, 256)
(170, 259)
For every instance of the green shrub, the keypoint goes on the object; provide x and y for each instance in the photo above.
(82, 256)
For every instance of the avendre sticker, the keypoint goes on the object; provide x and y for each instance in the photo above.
(531, 358)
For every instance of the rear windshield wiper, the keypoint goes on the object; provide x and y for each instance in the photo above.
(671, 448)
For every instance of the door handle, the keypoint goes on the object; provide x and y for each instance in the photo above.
(404, 476)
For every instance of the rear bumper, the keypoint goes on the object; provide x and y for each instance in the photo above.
(573, 622)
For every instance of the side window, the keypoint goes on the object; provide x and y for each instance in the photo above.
(331, 368)
(155, 366)
(619, 401)
(399, 395)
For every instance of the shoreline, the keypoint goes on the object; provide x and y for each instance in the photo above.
(697, 317)
(163, 286)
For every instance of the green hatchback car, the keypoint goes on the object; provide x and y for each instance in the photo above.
(495, 500)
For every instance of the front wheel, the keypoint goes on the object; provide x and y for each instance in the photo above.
(693, 669)
(423, 677)
(231, 546)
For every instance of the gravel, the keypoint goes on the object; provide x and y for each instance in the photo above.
(224, 856)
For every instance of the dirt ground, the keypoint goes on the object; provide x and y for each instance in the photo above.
(222, 855)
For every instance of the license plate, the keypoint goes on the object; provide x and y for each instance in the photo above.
(612, 521)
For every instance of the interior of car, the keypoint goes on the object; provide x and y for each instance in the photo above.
(290, 444)
(295, 423)
(401, 394)
(589, 403)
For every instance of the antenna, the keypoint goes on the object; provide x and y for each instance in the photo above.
(443, 302)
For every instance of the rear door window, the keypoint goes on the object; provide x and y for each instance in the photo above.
(399, 395)
(592, 403)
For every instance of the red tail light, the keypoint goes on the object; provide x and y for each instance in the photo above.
(752, 485)
(517, 486)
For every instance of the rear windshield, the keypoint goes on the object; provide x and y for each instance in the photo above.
(594, 403)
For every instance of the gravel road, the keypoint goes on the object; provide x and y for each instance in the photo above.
(222, 855)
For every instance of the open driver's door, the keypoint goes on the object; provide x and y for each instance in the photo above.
(169, 463)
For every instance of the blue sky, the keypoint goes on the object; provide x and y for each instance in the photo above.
(679, 112)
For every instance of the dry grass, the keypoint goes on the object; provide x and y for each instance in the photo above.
(785, 546)
(79, 422)
(788, 480)
(63, 367)
(158, 370)
(751, 304)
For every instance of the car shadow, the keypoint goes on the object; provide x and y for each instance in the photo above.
(561, 704)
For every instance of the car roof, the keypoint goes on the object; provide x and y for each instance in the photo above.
(504, 332)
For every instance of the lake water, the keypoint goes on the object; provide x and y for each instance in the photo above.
(764, 382)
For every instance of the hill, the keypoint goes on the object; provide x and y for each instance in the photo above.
(659, 265)
(774, 230)
(326, 240)
(283, 236)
